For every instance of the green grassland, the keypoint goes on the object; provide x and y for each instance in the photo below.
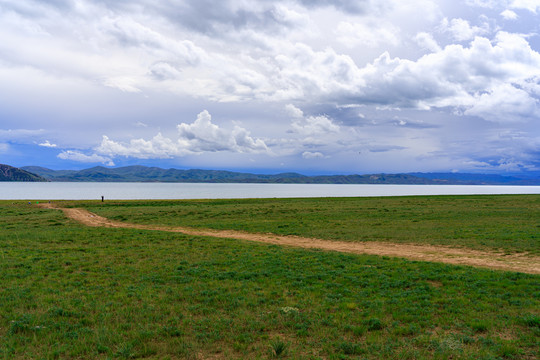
(73, 292)
(510, 223)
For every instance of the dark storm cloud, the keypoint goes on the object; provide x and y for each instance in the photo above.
(207, 16)
(368, 115)
(210, 17)
(215, 17)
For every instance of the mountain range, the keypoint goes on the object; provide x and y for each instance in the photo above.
(155, 174)
(10, 173)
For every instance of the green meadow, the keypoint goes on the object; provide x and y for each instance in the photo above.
(73, 292)
(510, 223)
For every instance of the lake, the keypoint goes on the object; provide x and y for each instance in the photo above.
(131, 191)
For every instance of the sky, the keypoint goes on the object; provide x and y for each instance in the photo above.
(310, 86)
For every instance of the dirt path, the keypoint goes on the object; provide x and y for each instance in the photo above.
(459, 256)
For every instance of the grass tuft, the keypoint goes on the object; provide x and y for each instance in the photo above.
(278, 348)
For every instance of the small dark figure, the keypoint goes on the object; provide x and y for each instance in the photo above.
(102, 198)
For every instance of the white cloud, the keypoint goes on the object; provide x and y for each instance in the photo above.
(78, 156)
(426, 41)
(203, 135)
(531, 5)
(294, 112)
(159, 147)
(313, 155)
(199, 137)
(47, 144)
(486, 3)
(124, 83)
(302, 72)
(4, 148)
(315, 126)
(284, 14)
(311, 125)
(370, 34)
(461, 30)
(135, 53)
(164, 71)
(131, 33)
(509, 15)
(141, 124)
(456, 76)
(310, 136)
(505, 103)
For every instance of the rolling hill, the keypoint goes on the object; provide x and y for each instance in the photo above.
(10, 173)
(155, 174)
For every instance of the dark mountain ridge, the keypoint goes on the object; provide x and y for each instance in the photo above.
(139, 173)
(10, 173)
(479, 179)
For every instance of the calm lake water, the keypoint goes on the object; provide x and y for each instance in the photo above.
(130, 191)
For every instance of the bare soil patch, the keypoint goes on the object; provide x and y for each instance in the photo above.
(460, 256)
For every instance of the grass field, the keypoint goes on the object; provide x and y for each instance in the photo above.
(69, 291)
(509, 222)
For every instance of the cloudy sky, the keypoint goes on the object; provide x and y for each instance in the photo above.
(312, 86)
